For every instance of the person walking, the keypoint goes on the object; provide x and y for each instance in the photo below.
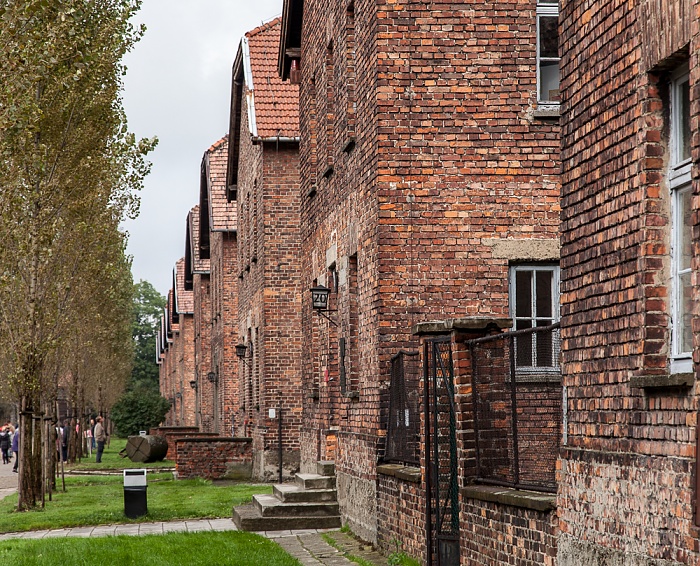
(100, 438)
(15, 448)
(5, 443)
(65, 438)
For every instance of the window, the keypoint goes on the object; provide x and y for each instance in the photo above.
(547, 52)
(681, 250)
(534, 303)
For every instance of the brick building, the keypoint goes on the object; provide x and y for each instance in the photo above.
(197, 276)
(429, 205)
(176, 354)
(184, 307)
(630, 152)
(219, 386)
(263, 180)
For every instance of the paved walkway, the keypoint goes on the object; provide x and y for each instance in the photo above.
(308, 546)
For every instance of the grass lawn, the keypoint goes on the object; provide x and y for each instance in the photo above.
(111, 460)
(99, 500)
(186, 549)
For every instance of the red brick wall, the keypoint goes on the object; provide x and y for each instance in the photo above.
(270, 298)
(187, 364)
(401, 516)
(449, 160)
(202, 345)
(493, 533)
(224, 337)
(626, 481)
(213, 458)
(171, 433)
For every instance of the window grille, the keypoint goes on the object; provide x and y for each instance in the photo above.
(403, 441)
(517, 412)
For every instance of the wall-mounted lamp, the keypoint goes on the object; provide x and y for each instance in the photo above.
(319, 302)
(193, 384)
(211, 376)
(240, 352)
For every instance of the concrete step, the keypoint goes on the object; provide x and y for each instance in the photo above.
(270, 506)
(248, 518)
(293, 493)
(314, 481)
(325, 468)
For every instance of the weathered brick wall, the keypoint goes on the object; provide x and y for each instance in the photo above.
(213, 458)
(356, 477)
(400, 516)
(626, 481)
(270, 297)
(171, 433)
(494, 533)
(202, 348)
(224, 278)
(449, 162)
(187, 363)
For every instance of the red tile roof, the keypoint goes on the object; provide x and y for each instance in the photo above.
(184, 300)
(222, 214)
(276, 103)
(199, 265)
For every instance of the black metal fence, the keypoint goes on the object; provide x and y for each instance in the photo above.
(403, 431)
(517, 404)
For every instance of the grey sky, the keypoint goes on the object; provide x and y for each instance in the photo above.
(178, 88)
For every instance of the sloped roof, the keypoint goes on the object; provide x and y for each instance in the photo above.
(222, 214)
(184, 300)
(273, 105)
(198, 264)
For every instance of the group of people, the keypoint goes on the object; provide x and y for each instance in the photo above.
(96, 437)
(9, 444)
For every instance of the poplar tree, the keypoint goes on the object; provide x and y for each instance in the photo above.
(69, 172)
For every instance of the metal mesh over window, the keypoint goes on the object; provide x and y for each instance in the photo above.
(403, 442)
(517, 403)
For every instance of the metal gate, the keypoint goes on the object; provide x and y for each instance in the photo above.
(442, 501)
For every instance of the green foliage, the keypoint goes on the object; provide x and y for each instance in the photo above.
(399, 558)
(148, 306)
(138, 409)
(186, 549)
(70, 172)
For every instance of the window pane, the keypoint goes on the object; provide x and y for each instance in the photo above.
(549, 37)
(523, 293)
(684, 117)
(523, 345)
(686, 308)
(685, 229)
(549, 80)
(543, 285)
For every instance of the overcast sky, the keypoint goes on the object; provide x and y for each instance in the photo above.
(178, 88)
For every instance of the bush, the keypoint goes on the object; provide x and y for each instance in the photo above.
(140, 409)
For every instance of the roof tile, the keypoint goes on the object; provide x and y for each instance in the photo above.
(184, 300)
(223, 215)
(276, 102)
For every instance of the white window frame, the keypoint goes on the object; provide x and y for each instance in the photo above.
(554, 270)
(545, 8)
(680, 184)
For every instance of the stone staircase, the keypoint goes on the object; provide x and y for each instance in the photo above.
(309, 503)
